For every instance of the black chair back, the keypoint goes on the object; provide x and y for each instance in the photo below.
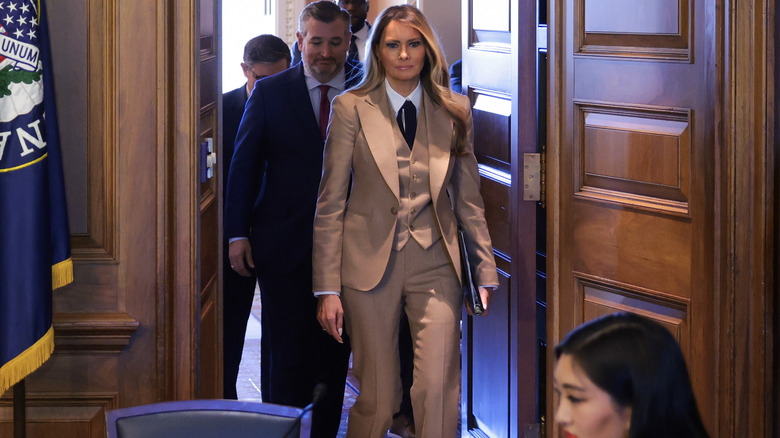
(209, 419)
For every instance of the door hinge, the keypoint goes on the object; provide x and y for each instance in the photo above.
(534, 177)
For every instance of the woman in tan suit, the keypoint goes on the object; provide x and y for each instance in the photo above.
(399, 178)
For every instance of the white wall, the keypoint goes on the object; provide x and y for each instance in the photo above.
(242, 20)
(444, 16)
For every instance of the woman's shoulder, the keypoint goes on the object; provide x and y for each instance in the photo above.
(461, 99)
(349, 95)
(354, 96)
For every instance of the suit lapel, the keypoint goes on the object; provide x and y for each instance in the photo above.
(299, 93)
(439, 129)
(374, 112)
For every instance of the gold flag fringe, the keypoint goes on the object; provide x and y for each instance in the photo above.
(62, 273)
(19, 367)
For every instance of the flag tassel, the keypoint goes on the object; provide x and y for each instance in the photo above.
(27, 362)
(62, 273)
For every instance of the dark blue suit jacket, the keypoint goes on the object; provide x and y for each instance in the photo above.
(275, 172)
(233, 103)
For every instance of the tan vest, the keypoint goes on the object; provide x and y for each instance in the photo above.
(415, 216)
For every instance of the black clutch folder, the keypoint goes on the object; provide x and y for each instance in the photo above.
(470, 289)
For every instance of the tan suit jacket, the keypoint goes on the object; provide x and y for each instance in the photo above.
(353, 238)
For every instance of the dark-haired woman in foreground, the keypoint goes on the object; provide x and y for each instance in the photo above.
(624, 376)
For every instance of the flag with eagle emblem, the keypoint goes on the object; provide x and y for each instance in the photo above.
(34, 236)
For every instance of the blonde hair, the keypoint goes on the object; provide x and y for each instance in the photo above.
(435, 76)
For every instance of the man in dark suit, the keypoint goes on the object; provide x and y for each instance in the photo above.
(279, 149)
(358, 11)
(264, 56)
(456, 76)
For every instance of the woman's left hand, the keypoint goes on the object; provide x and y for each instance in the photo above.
(485, 293)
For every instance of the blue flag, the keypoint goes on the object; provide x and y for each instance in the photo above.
(34, 235)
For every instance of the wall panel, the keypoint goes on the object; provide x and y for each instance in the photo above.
(114, 69)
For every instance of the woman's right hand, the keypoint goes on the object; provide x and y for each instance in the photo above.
(330, 314)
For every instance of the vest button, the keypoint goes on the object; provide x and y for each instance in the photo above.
(394, 210)
(413, 195)
(413, 211)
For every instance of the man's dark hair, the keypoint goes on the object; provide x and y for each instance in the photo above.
(325, 11)
(266, 48)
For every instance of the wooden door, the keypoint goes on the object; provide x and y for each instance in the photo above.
(634, 225)
(210, 203)
(501, 352)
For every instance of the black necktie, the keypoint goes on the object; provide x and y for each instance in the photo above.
(407, 121)
(353, 50)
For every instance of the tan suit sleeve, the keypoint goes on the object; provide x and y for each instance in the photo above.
(469, 209)
(329, 218)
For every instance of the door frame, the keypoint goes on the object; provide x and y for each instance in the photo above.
(181, 312)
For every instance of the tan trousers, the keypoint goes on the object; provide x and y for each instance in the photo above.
(422, 283)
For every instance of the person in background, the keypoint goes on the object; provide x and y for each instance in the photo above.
(400, 147)
(271, 197)
(264, 55)
(624, 376)
(456, 76)
(358, 11)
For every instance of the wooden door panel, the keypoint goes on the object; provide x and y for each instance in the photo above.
(596, 298)
(633, 28)
(631, 247)
(491, 114)
(490, 365)
(637, 170)
(632, 155)
(496, 196)
(57, 415)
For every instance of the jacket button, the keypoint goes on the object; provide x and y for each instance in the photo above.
(394, 210)
(411, 227)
